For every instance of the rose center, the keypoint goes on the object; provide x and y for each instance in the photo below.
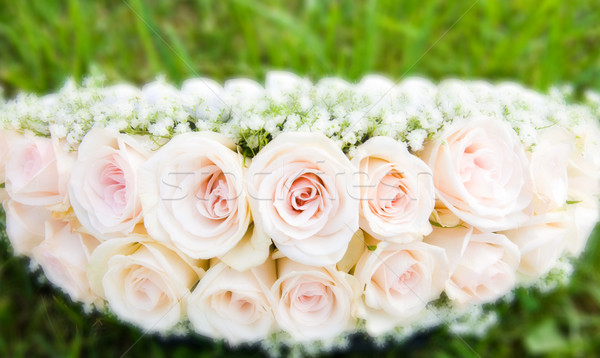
(312, 297)
(392, 195)
(114, 187)
(479, 169)
(305, 193)
(406, 281)
(215, 195)
(33, 162)
(145, 293)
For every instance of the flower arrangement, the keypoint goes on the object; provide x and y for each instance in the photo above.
(298, 212)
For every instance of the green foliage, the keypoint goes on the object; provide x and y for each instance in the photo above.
(539, 43)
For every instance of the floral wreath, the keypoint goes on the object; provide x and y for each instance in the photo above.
(300, 212)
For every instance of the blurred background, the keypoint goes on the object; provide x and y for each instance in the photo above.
(537, 43)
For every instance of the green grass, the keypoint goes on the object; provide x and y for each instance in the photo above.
(538, 43)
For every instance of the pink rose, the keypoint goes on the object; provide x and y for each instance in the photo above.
(541, 242)
(193, 195)
(481, 173)
(582, 219)
(303, 195)
(64, 256)
(37, 171)
(234, 305)
(25, 226)
(313, 302)
(482, 265)
(584, 186)
(397, 193)
(399, 280)
(103, 188)
(144, 282)
(549, 168)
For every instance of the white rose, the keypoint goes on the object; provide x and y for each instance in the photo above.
(481, 173)
(397, 193)
(103, 188)
(582, 219)
(399, 280)
(541, 242)
(192, 192)
(584, 187)
(549, 162)
(482, 265)
(25, 226)
(234, 305)
(303, 195)
(64, 256)
(143, 281)
(314, 302)
(37, 171)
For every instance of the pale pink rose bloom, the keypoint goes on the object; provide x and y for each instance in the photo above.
(397, 193)
(314, 302)
(582, 219)
(234, 305)
(399, 281)
(541, 242)
(193, 195)
(103, 188)
(482, 265)
(549, 168)
(64, 256)
(481, 173)
(584, 186)
(144, 282)
(25, 226)
(37, 171)
(304, 195)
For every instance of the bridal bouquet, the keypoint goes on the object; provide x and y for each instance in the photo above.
(299, 212)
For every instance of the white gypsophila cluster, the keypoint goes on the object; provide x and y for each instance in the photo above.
(252, 114)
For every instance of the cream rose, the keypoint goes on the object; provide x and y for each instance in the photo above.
(397, 193)
(37, 171)
(584, 187)
(313, 303)
(192, 192)
(103, 188)
(25, 226)
(64, 256)
(481, 173)
(482, 265)
(304, 196)
(549, 165)
(143, 281)
(582, 219)
(234, 305)
(541, 242)
(399, 280)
